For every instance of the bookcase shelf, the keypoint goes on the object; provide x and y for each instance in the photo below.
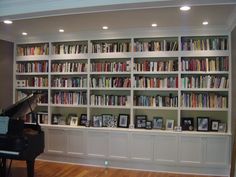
(149, 69)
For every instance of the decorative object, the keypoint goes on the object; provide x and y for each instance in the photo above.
(123, 121)
(140, 121)
(202, 123)
(157, 123)
(187, 123)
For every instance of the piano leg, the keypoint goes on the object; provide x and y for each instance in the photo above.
(30, 167)
(3, 167)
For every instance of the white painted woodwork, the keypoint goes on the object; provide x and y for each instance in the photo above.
(56, 140)
(75, 142)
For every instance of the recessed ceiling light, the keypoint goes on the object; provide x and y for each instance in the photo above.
(105, 27)
(7, 22)
(205, 23)
(24, 34)
(61, 30)
(185, 8)
(154, 25)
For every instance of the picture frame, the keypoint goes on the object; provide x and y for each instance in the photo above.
(187, 123)
(55, 119)
(123, 121)
(140, 121)
(74, 121)
(215, 125)
(169, 124)
(97, 121)
(83, 119)
(222, 127)
(149, 125)
(157, 123)
(202, 123)
(69, 118)
(105, 119)
(113, 121)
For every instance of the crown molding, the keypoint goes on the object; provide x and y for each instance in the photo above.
(25, 9)
(232, 20)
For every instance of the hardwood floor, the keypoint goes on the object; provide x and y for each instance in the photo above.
(49, 169)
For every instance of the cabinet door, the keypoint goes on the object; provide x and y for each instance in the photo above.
(166, 148)
(118, 145)
(190, 150)
(97, 143)
(141, 147)
(75, 142)
(56, 140)
(217, 151)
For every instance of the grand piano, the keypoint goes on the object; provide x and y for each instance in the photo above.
(22, 141)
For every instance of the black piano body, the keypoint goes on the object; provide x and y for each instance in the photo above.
(22, 141)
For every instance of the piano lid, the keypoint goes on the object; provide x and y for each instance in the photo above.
(22, 107)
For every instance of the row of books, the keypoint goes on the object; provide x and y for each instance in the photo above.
(205, 82)
(162, 45)
(29, 67)
(207, 64)
(69, 82)
(69, 49)
(151, 82)
(110, 82)
(109, 47)
(216, 43)
(69, 67)
(110, 66)
(146, 65)
(37, 49)
(204, 100)
(110, 100)
(32, 82)
(156, 101)
(72, 98)
(41, 117)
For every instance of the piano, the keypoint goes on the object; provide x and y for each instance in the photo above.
(22, 141)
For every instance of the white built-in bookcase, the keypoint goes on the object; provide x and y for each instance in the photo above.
(88, 57)
(158, 150)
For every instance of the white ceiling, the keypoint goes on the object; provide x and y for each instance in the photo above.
(218, 16)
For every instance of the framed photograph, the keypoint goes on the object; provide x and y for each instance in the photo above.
(55, 119)
(105, 119)
(97, 121)
(69, 118)
(123, 121)
(83, 119)
(222, 127)
(215, 125)
(148, 124)
(61, 120)
(112, 121)
(202, 123)
(74, 121)
(157, 123)
(140, 121)
(169, 124)
(187, 123)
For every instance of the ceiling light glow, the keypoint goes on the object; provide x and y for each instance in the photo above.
(154, 25)
(61, 30)
(105, 27)
(205, 23)
(7, 22)
(24, 34)
(185, 8)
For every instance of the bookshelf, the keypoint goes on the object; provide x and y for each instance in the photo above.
(105, 80)
(134, 76)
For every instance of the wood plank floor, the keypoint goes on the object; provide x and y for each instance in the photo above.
(49, 169)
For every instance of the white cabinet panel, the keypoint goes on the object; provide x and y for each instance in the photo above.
(75, 142)
(217, 151)
(56, 141)
(118, 145)
(166, 148)
(190, 150)
(142, 147)
(97, 143)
